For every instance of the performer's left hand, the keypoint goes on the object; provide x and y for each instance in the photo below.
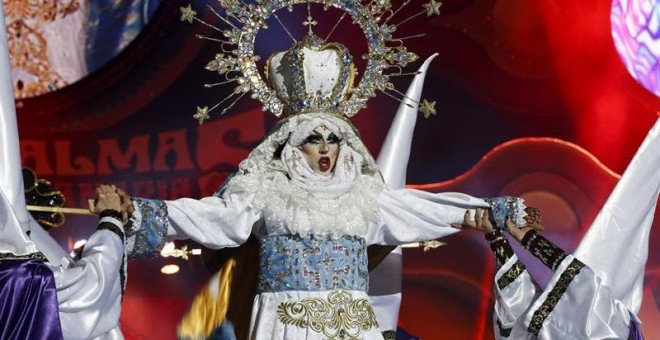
(107, 198)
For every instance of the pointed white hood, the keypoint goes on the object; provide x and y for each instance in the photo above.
(616, 245)
(14, 217)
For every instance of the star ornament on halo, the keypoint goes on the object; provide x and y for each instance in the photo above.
(236, 60)
(427, 108)
(432, 7)
(187, 14)
(202, 114)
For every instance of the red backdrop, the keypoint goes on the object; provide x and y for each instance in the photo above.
(536, 86)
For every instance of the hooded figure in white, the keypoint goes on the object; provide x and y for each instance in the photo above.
(45, 294)
(596, 292)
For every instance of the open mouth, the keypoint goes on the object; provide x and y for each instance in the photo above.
(324, 164)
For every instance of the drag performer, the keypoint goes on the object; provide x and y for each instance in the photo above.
(312, 196)
(584, 299)
(310, 193)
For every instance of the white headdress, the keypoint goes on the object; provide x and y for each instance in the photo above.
(297, 199)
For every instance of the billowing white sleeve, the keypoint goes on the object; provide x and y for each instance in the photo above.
(409, 215)
(89, 290)
(514, 292)
(211, 221)
(574, 305)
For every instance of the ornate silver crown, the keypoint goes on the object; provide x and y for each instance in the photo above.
(313, 75)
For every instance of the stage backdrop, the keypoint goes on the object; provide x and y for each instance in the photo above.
(535, 87)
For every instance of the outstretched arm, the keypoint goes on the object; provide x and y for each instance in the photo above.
(514, 288)
(212, 221)
(409, 215)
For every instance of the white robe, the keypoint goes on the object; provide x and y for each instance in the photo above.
(571, 307)
(404, 216)
(89, 290)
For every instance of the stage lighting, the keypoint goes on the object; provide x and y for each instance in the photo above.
(636, 34)
(169, 269)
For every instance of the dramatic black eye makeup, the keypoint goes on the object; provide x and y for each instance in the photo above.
(315, 138)
(333, 139)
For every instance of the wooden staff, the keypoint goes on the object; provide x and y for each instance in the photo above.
(63, 210)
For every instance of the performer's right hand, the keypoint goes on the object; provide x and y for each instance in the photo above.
(126, 204)
(480, 222)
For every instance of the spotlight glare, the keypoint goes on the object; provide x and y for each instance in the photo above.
(79, 243)
(169, 269)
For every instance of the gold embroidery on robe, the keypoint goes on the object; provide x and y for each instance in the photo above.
(553, 297)
(337, 317)
(510, 275)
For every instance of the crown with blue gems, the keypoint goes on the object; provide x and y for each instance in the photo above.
(314, 75)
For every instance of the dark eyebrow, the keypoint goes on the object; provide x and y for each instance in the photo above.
(313, 138)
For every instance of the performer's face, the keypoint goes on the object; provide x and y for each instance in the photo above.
(320, 149)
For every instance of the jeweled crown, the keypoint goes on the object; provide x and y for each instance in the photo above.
(312, 76)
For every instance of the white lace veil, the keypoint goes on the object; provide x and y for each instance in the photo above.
(342, 206)
(265, 157)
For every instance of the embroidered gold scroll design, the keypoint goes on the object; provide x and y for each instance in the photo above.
(337, 317)
(553, 297)
(510, 275)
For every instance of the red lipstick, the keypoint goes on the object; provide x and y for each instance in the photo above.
(324, 164)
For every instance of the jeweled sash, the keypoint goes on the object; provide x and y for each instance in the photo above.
(312, 263)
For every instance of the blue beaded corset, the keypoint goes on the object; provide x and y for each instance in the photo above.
(312, 263)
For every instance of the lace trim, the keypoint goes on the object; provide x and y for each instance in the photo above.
(553, 297)
(505, 207)
(289, 209)
(262, 160)
(510, 275)
(339, 316)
